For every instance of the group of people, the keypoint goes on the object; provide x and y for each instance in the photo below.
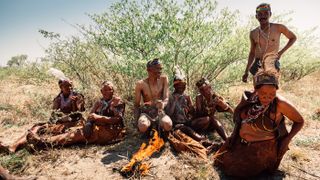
(259, 139)
(159, 109)
(67, 126)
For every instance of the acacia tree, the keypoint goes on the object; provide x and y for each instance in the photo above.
(18, 60)
(192, 34)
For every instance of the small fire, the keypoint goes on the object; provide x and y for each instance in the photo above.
(135, 164)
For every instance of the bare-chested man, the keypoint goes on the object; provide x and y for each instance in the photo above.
(265, 40)
(154, 91)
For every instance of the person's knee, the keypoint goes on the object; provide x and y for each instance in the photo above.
(143, 124)
(166, 123)
(143, 128)
(204, 122)
(216, 123)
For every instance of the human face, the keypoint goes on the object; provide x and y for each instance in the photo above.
(266, 94)
(179, 87)
(107, 92)
(205, 90)
(66, 89)
(155, 70)
(263, 16)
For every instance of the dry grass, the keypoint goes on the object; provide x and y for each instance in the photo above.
(22, 105)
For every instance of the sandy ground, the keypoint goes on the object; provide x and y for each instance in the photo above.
(103, 162)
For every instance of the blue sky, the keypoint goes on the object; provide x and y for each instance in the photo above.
(20, 20)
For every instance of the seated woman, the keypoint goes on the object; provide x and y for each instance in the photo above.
(207, 103)
(66, 114)
(68, 100)
(260, 138)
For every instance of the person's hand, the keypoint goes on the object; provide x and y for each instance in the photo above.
(93, 116)
(176, 98)
(148, 103)
(279, 54)
(88, 129)
(245, 77)
(74, 98)
(159, 105)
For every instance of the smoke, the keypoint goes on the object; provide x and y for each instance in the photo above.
(57, 73)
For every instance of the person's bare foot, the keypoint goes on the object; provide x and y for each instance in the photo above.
(35, 140)
(4, 174)
(213, 147)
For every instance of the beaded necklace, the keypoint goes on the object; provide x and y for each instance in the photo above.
(265, 36)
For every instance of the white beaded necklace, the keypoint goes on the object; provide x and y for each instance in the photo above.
(265, 36)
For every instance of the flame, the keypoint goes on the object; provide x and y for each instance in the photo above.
(155, 144)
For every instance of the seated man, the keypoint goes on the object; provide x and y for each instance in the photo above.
(207, 103)
(154, 90)
(105, 121)
(104, 125)
(260, 138)
(65, 115)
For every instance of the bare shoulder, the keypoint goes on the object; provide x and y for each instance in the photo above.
(164, 78)
(280, 27)
(97, 103)
(199, 97)
(287, 109)
(187, 96)
(140, 83)
(57, 98)
(117, 100)
(253, 32)
(284, 103)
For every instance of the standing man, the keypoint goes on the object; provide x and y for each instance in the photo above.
(264, 40)
(154, 90)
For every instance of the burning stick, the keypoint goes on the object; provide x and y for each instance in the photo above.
(135, 164)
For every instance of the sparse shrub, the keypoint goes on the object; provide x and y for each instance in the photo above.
(316, 115)
(15, 162)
